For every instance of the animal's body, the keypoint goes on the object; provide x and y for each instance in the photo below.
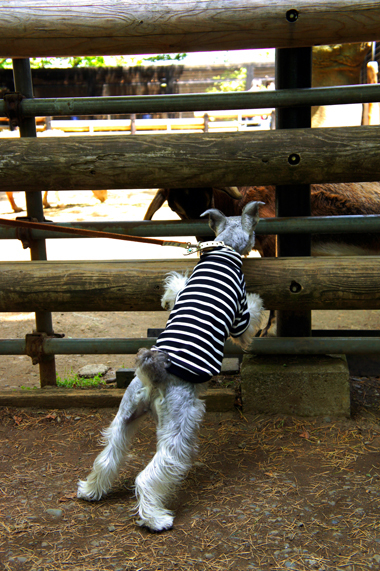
(206, 308)
(326, 200)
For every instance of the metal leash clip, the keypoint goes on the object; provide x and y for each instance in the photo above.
(191, 249)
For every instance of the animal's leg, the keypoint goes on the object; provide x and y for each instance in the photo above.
(45, 201)
(270, 328)
(255, 308)
(179, 413)
(100, 195)
(117, 438)
(174, 283)
(15, 208)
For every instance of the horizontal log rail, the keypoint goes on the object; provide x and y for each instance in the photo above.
(293, 156)
(296, 225)
(259, 346)
(283, 283)
(64, 106)
(31, 28)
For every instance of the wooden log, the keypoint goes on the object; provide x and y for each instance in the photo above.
(283, 283)
(193, 160)
(32, 28)
(217, 400)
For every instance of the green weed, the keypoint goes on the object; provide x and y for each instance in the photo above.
(73, 380)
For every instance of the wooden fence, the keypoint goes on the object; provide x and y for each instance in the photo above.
(291, 157)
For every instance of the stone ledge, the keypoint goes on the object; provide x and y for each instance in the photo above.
(217, 400)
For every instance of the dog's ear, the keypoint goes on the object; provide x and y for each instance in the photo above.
(216, 220)
(250, 216)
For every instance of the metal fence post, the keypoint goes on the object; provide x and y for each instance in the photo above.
(44, 323)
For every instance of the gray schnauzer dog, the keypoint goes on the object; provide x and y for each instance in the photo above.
(207, 308)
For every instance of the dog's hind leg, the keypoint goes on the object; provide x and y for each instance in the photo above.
(179, 412)
(117, 438)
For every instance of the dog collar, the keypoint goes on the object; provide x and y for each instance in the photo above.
(204, 246)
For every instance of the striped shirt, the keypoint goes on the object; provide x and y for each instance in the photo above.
(211, 307)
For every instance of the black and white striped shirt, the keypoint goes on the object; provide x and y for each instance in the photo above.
(211, 307)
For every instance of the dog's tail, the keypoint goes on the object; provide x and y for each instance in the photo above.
(151, 366)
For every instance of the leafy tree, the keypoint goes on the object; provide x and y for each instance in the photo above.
(94, 61)
(230, 81)
(165, 57)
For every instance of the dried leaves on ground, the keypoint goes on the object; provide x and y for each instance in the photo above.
(265, 493)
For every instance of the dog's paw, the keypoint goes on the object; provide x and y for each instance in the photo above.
(88, 493)
(157, 524)
(174, 283)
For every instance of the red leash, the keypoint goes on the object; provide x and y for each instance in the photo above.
(90, 233)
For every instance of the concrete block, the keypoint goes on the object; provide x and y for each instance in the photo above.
(124, 377)
(300, 385)
(230, 366)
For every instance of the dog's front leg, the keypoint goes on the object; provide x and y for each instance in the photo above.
(117, 438)
(179, 412)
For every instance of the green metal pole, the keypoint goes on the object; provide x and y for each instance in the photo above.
(259, 346)
(153, 229)
(65, 106)
(44, 324)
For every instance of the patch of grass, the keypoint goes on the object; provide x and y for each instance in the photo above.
(74, 380)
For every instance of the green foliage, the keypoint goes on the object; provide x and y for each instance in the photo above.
(77, 61)
(88, 61)
(73, 380)
(93, 61)
(165, 57)
(230, 81)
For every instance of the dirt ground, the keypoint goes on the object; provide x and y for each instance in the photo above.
(265, 493)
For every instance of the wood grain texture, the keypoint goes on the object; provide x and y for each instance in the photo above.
(217, 400)
(283, 283)
(32, 28)
(212, 159)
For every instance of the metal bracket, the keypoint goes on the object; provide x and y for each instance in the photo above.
(34, 347)
(12, 107)
(24, 234)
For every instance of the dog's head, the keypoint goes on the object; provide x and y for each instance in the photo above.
(236, 231)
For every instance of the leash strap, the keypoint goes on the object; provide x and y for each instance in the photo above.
(93, 233)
